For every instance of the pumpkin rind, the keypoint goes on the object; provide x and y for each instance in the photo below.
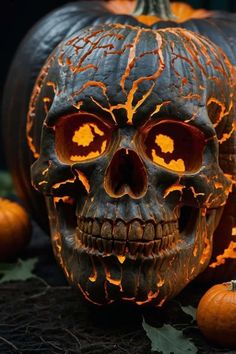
(39, 44)
(216, 315)
(15, 229)
(70, 20)
(126, 99)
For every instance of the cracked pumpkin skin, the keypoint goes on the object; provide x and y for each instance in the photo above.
(125, 235)
(115, 216)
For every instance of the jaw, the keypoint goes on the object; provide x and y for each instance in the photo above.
(148, 271)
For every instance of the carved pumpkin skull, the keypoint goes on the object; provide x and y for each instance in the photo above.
(133, 120)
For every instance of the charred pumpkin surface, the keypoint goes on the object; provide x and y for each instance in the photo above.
(128, 159)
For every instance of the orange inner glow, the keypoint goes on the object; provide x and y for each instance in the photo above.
(90, 155)
(81, 137)
(229, 253)
(165, 142)
(121, 259)
(175, 165)
(175, 145)
(84, 135)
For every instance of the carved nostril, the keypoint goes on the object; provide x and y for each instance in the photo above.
(126, 174)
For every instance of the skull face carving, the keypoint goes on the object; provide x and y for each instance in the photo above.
(133, 121)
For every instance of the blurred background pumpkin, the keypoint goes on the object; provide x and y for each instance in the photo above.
(15, 229)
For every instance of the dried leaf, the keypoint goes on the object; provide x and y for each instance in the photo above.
(169, 340)
(22, 270)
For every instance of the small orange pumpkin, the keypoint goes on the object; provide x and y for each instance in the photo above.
(15, 229)
(216, 314)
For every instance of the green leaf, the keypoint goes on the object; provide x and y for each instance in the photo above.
(190, 310)
(22, 270)
(6, 185)
(169, 340)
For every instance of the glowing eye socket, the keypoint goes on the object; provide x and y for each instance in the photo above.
(81, 137)
(175, 145)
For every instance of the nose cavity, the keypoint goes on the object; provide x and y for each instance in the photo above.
(126, 174)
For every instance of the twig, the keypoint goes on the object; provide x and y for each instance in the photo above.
(74, 336)
(9, 343)
(50, 343)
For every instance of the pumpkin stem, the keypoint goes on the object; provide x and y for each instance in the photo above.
(158, 8)
(233, 285)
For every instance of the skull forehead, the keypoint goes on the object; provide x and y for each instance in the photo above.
(132, 73)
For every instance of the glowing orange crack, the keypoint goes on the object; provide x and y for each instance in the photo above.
(151, 295)
(32, 105)
(59, 184)
(218, 185)
(223, 111)
(195, 194)
(46, 101)
(94, 275)
(206, 251)
(131, 60)
(84, 180)
(173, 188)
(227, 136)
(78, 104)
(229, 253)
(65, 199)
(159, 107)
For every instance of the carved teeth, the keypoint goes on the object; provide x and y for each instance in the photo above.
(165, 230)
(120, 247)
(100, 245)
(157, 246)
(90, 226)
(135, 231)
(148, 248)
(90, 244)
(85, 227)
(135, 238)
(95, 228)
(164, 242)
(133, 247)
(140, 247)
(94, 242)
(109, 246)
(120, 231)
(158, 231)
(149, 232)
(106, 230)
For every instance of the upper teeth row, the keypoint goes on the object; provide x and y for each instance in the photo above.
(134, 230)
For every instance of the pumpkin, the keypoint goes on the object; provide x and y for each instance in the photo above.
(60, 23)
(15, 229)
(216, 314)
(110, 101)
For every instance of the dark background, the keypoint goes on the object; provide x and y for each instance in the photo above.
(17, 16)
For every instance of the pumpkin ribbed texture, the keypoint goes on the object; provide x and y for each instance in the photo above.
(15, 229)
(216, 315)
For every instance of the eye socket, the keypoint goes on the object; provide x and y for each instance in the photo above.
(174, 145)
(81, 137)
